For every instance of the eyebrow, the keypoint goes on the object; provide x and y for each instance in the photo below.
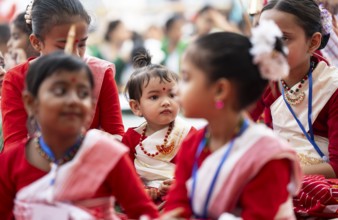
(62, 40)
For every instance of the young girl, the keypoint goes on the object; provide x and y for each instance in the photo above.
(154, 144)
(302, 107)
(306, 114)
(19, 47)
(229, 168)
(48, 173)
(50, 21)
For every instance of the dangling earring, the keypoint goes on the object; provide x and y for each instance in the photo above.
(219, 104)
(32, 126)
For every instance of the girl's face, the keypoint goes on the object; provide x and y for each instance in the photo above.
(56, 39)
(64, 103)
(294, 37)
(195, 96)
(18, 39)
(157, 103)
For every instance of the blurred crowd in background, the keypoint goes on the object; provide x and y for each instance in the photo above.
(120, 28)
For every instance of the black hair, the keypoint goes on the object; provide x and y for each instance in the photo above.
(307, 13)
(5, 33)
(226, 55)
(51, 64)
(144, 71)
(204, 9)
(48, 13)
(20, 23)
(112, 25)
(171, 21)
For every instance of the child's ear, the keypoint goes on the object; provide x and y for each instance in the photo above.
(135, 107)
(29, 103)
(315, 42)
(222, 89)
(35, 42)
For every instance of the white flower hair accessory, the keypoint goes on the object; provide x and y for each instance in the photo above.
(268, 51)
(28, 14)
(326, 20)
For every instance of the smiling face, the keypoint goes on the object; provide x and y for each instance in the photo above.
(64, 103)
(57, 37)
(157, 103)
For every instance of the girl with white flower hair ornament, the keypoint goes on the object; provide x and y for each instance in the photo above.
(227, 170)
(302, 107)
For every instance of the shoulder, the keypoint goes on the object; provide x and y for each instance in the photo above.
(13, 157)
(192, 140)
(98, 65)
(17, 72)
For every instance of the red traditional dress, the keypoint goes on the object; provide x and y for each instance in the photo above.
(324, 119)
(107, 107)
(83, 188)
(248, 184)
(154, 170)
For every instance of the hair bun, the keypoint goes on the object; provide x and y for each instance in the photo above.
(142, 58)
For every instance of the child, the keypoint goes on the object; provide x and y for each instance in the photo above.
(315, 114)
(50, 21)
(154, 144)
(44, 175)
(302, 107)
(229, 168)
(19, 47)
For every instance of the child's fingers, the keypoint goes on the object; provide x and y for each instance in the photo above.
(173, 214)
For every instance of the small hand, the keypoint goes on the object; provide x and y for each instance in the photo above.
(173, 214)
(165, 186)
(153, 193)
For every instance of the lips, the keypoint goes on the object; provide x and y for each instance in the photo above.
(167, 111)
(71, 115)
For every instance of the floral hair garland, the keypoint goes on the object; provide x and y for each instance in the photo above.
(268, 51)
(28, 15)
(326, 19)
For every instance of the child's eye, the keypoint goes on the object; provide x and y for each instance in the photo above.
(285, 39)
(172, 95)
(83, 93)
(154, 97)
(59, 91)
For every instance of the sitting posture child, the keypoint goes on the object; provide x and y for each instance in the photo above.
(232, 167)
(61, 171)
(154, 144)
(302, 106)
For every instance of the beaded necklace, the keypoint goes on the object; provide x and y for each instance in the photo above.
(45, 151)
(163, 148)
(294, 97)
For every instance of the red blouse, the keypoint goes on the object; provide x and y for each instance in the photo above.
(122, 182)
(267, 189)
(14, 117)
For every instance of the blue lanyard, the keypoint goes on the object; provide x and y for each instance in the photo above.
(201, 146)
(311, 137)
(46, 149)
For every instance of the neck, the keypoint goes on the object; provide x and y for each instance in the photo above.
(222, 129)
(59, 145)
(297, 74)
(152, 128)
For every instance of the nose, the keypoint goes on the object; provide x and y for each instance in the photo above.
(73, 98)
(76, 51)
(166, 102)
(9, 43)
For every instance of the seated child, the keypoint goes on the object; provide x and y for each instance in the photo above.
(61, 172)
(154, 144)
(232, 168)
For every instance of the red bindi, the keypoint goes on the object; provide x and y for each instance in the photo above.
(73, 79)
(163, 89)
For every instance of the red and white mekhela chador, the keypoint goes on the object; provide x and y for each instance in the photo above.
(75, 183)
(154, 170)
(325, 84)
(254, 158)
